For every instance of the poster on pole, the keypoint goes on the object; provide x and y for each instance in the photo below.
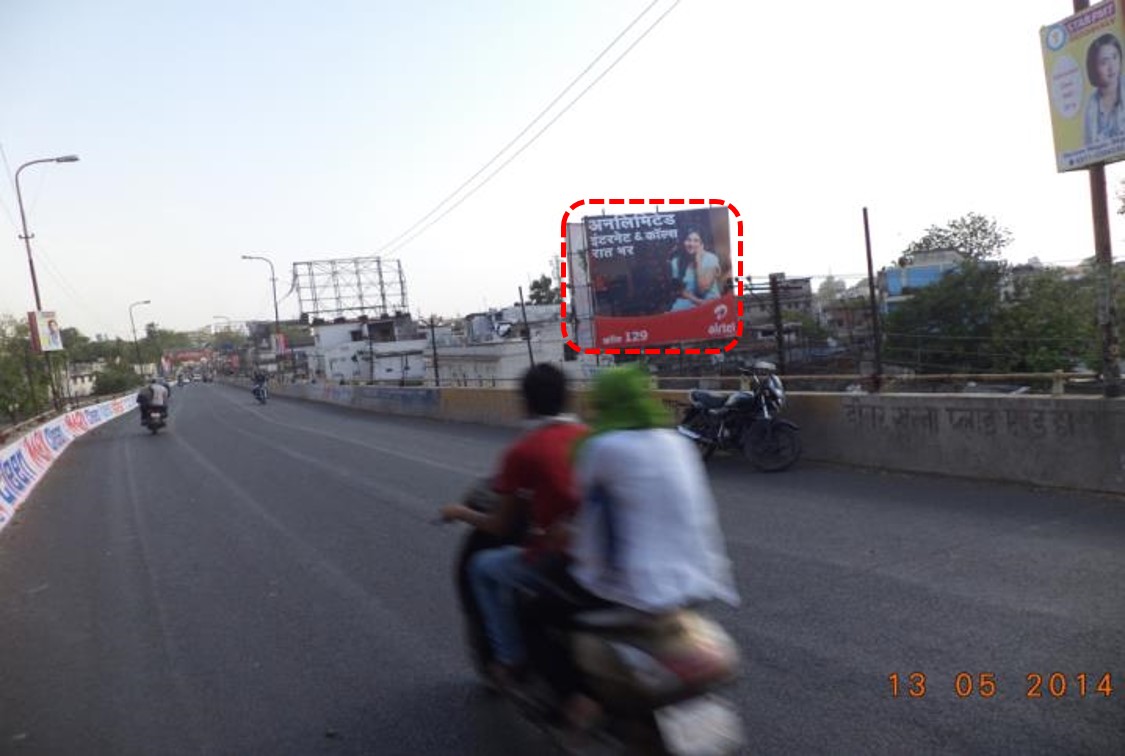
(46, 334)
(1082, 60)
(661, 278)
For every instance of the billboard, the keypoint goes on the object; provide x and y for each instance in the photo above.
(661, 278)
(1082, 59)
(46, 334)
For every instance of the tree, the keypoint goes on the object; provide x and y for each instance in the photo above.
(543, 291)
(950, 325)
(115, 379)
(23, 381)
(974, 235)
(1046, 324)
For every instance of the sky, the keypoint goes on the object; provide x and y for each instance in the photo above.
(300, 132)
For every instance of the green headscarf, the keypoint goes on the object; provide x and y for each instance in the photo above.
(623, 400)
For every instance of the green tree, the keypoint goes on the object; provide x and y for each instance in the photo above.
(116, 379)
(974, 235)
(23, 380)
(157, 340)
(543, 291)
(1046, 324)
(810, 329)
(950, 325)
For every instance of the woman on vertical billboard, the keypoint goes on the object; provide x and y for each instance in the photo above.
(1105, 110)
(695, 270)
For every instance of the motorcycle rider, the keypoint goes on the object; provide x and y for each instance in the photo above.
(535, 480)
(646, 535)
(259, 379)
(153, 396)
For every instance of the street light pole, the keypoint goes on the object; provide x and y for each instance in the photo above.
(276, 318)
(133, 323)
(30, 261)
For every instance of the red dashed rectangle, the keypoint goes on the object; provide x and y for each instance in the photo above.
(654, 201)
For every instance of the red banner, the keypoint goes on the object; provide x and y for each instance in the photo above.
(710, 321)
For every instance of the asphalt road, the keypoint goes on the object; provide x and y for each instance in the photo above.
(265, 580)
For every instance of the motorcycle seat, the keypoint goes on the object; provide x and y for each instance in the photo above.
(707, 399)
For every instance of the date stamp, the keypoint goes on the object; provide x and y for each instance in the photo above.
(1034, 685)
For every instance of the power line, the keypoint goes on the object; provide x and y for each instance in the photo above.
(526, 128)
(539, 133)
(12, 183)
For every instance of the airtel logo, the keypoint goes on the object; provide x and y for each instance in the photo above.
(721, 311)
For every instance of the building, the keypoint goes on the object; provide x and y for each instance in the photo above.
(896, 285)
(492, 348)
(370, 350)
(82, 377)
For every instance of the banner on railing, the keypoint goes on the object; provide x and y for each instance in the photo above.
(24, 462)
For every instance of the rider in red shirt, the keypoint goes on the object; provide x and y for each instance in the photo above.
(535, 480)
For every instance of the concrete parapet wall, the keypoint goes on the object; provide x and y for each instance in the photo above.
(1068, 442)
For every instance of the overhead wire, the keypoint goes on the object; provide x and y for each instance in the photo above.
(394, 247)
(526, 128)
(12, 184)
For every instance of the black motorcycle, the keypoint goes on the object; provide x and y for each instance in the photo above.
(745, 421)
(156, 419)
(657, 677)
(260, 392)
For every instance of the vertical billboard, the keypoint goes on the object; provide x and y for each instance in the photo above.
(1082, 58)
(661, 278)
(46, 334)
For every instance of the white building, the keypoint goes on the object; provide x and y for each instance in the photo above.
(493, 351)
(385, 350)
(82, 376)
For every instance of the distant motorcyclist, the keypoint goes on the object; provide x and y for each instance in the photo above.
(259, 382)
(153, 396)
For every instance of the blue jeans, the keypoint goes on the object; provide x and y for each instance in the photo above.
(495, 574)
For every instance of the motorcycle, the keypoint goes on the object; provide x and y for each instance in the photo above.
(261, 393)
(655, 676)
(746, 421)
(157, 419)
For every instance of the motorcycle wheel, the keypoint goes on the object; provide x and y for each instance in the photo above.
(696, 422)
(772, 448)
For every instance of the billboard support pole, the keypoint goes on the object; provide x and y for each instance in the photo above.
(1103, 256)
(778, 324)
(433, 348)
(526, 329)
(876, 331)
(1107, 311)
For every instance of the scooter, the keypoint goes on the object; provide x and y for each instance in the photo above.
(655, 676)
(157, 419)
(261, 393)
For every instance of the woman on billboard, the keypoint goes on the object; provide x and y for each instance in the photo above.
(1105, 111)
(696, 271)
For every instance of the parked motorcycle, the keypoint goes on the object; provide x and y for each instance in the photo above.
(157, 419)
(655, 676)
(261, 393)
(746, 421)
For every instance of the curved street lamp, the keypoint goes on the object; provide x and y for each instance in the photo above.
(276, 318)
(23, 218)
(30, 261)
(134, 324)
